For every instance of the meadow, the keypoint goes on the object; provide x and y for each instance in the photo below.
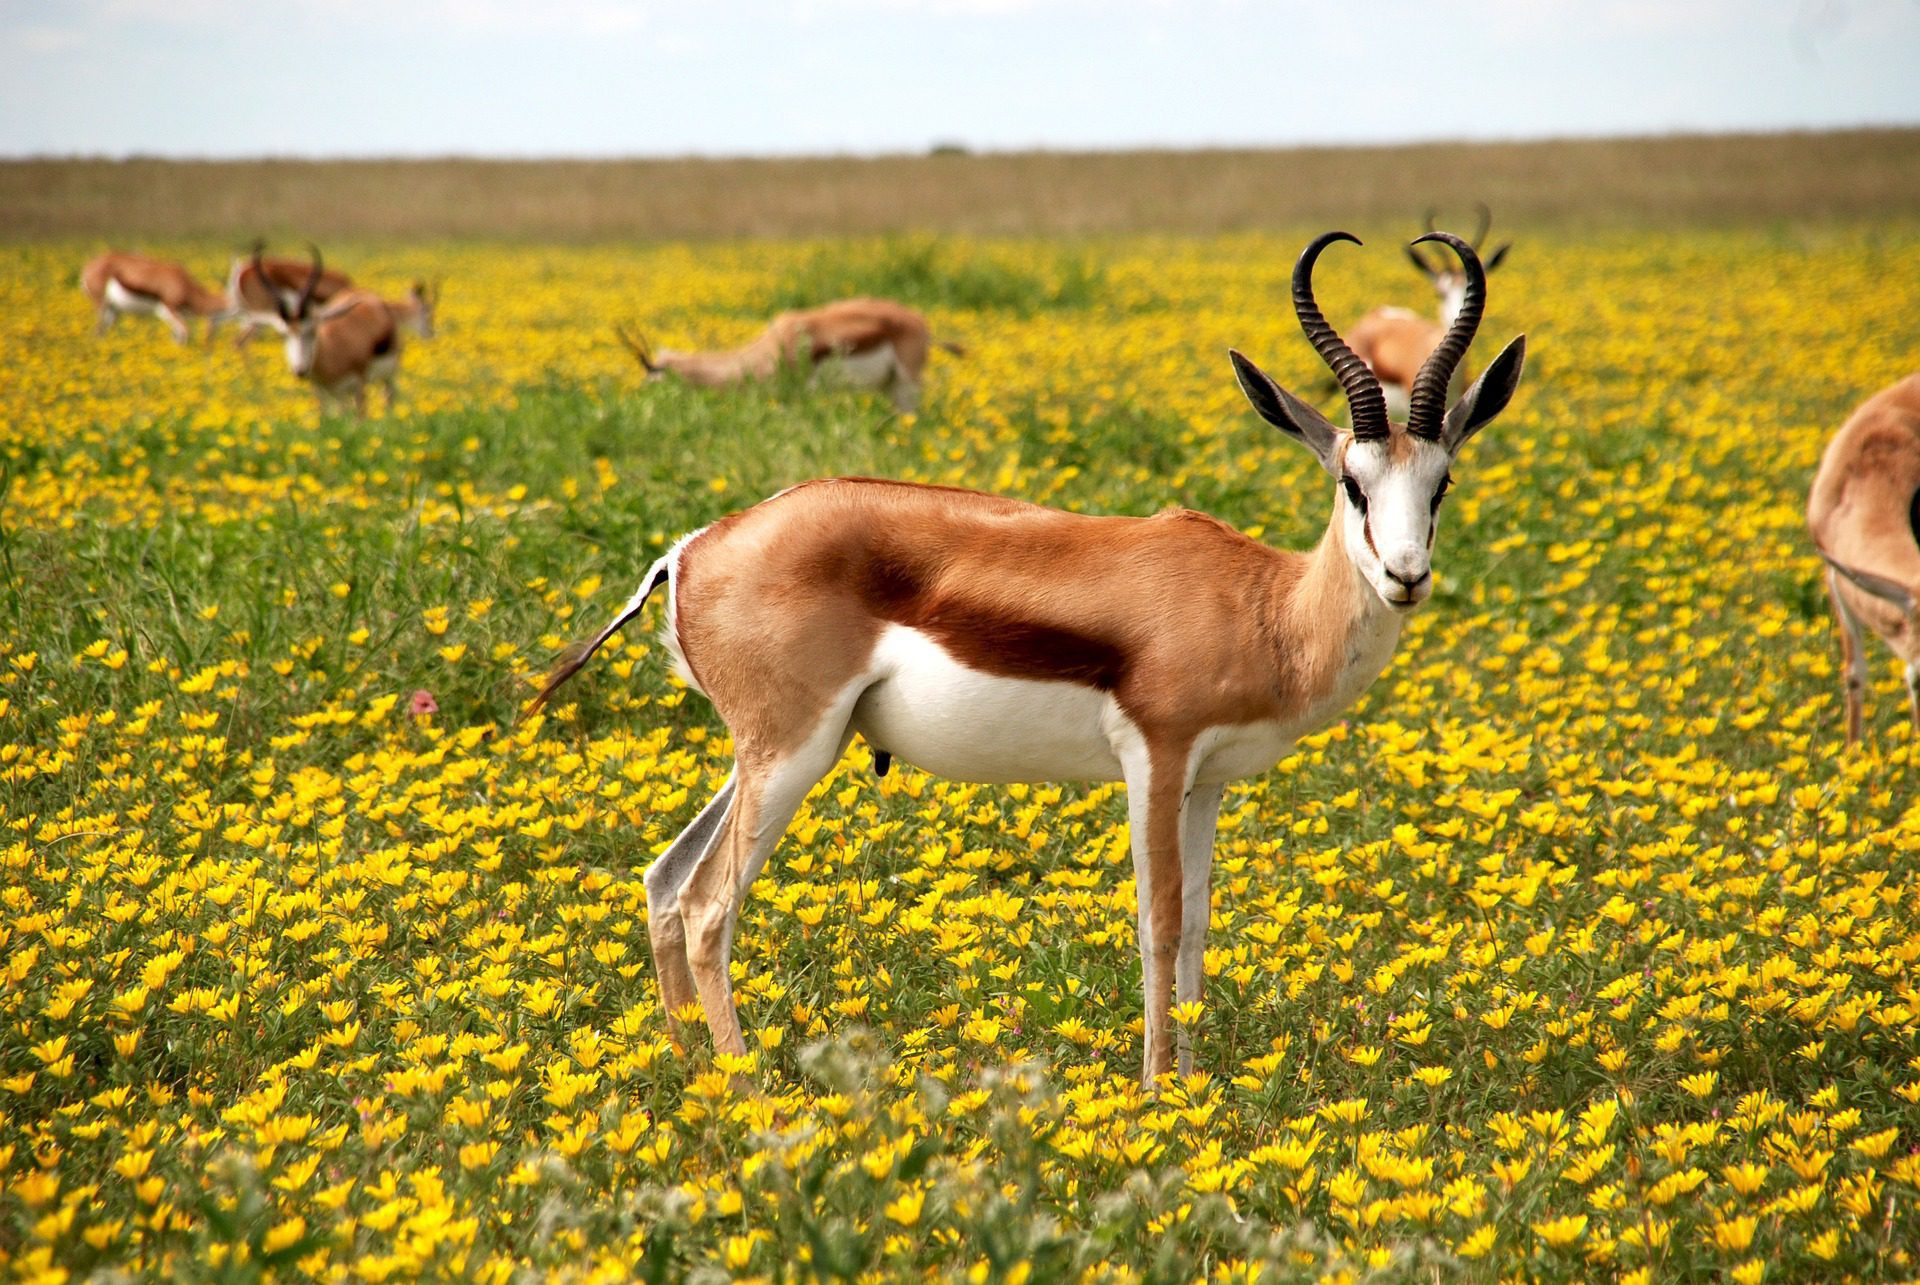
(1580, 950)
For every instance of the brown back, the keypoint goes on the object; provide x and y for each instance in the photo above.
(1861, 507)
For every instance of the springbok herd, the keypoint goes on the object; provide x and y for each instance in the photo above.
(986, 639)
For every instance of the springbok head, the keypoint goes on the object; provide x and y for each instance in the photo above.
(1448, 282)
(425, 298)
(643, 353)
(298, 321)
(1391, 477)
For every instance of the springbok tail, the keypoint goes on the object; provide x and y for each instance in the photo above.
(1891, 591)
(574, 658)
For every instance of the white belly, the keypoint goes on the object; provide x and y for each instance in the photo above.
(870, 369)
(130, 301)
(380, 369)
(926, 708)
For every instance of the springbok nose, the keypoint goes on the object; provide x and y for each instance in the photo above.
(1410, 586)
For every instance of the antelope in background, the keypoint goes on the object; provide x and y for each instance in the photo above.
(135, 284)
(858, 343)
(1395, 342)
(1864, 513)
(259, 284)
(353, 341)
(988, 639)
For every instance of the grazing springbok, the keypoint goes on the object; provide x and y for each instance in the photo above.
(987, 639)
(1395, 342)
(119, 282)
(259, 284)
(858, 343)
(1864, 512)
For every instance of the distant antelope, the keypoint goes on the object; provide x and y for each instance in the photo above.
(987, 639)
(258, 283)
(1864, 512)
(860, 343)
(1396, 341)
(341, 348)
(118, 283)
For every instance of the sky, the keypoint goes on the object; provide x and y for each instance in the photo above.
(224, 78)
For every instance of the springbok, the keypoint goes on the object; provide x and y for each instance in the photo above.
(341, 348)
(858, 343)
(987, 639)
(258, 286)
(1395, 342)
(1864, 513)
(119, 282)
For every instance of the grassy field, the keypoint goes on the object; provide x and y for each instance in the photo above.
(1651, 182)
(1579, 950)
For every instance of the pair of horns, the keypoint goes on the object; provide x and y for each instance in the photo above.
(637, 345)
(305, 301)
(1426, 412)
(1434, 268)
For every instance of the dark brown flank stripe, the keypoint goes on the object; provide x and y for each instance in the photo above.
(992, 642)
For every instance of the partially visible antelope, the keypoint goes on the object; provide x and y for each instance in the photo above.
(259, 284)
(858, 343)
(1395, 342)
(135, 284)
(1864, 513)
(987, 639)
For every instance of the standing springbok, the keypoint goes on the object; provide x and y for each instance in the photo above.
(119, 282)
(986, 639)
(859, 343)
(341, 348)
(1396, 342)
(259, 284)
(1864, 512)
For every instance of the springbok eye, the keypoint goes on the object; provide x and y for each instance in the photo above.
(1441, 494)
(1355, 496)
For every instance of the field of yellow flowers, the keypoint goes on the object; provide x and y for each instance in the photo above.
(1581, 950)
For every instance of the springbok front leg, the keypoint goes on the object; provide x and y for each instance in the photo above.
(1197, 822)
(1156, 788)
(664, 879)
(1853, 657)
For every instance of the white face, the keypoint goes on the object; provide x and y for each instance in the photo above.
(1390, 496)
(423, 306)
(301, 339)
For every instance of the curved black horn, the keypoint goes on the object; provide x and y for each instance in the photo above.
(313, 282)
(1427, 404)
(1368, 403)
(638, 347)
(1486, 224)
(266, 282)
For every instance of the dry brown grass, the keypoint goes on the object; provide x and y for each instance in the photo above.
(1680, 180)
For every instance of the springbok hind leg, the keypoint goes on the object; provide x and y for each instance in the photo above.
(1913, 694)
(766, 795)
(664, 879)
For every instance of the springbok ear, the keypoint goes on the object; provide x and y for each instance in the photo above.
(1286, 412)
(1488, 396)
(340, 307)
(1493, 260)
(1879, 586)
